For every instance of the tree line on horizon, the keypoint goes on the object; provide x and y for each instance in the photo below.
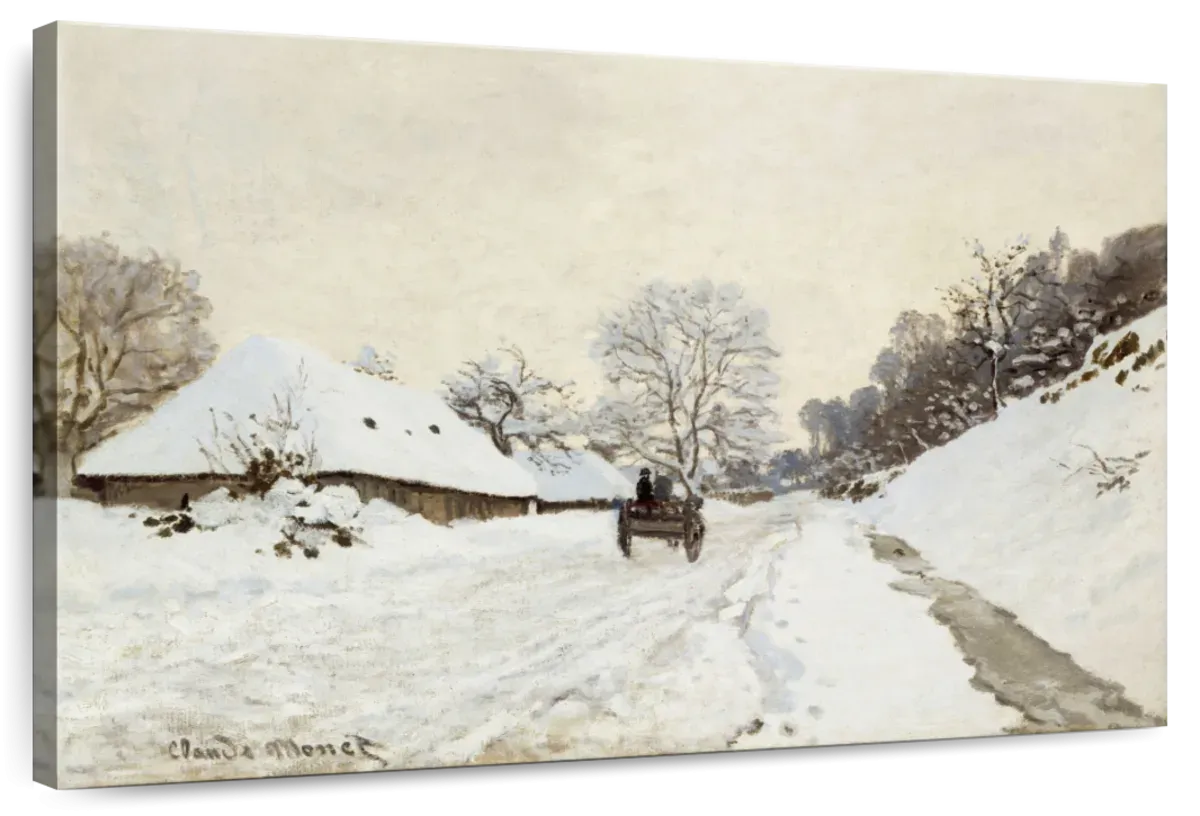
(1025, 319)
(688, 368)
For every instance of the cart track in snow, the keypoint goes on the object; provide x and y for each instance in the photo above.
(644, 631)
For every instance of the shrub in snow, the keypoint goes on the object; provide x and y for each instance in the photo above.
(855, 491)
(263, 450)
(1150, 355)
(306, 516)
(1111, 472)
(1125, 347)
(311, 517)
(171, 523)
(1105, 357)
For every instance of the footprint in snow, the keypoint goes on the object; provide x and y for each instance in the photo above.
(816, 712)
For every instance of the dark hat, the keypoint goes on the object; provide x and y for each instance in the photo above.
(645, 472)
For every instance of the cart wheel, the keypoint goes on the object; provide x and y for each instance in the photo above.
(624, 535)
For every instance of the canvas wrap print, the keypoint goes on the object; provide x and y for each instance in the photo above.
(402, 406)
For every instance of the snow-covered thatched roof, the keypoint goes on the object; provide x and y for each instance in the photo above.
(574, 476)
(359, 424)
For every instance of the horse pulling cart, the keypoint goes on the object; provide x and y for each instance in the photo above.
(676, 521)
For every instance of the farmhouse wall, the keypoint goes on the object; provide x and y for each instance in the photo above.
(544, 506)
(439, 505)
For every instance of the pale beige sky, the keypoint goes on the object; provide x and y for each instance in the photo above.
(433, 201)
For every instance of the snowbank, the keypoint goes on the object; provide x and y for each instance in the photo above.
(360, 424)
(574, 476)
(1003, 509)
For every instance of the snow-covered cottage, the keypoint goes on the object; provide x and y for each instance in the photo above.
(386, 440)
(577, 480)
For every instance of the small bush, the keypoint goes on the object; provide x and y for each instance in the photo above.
(1111, 472)
(854, 491)
(861, 490)
(263, 450)
(1122, 376)
(1089, 375)
(1150, 355)
(1125, 347)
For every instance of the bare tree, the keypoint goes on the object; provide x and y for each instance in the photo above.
(502, 396)
(130, 333)
(690, 376)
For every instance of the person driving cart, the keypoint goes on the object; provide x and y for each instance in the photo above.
(645, 487)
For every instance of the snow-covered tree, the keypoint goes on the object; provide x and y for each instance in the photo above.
(988, 307)
(691, 384)
(1061, 317)
(502, 396)
(130, 333)
(369, 361)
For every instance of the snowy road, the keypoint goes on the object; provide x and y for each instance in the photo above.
(510, 640)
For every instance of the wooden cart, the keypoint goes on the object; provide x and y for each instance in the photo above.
(676, 521)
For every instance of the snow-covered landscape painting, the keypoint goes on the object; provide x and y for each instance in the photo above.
(402, 407)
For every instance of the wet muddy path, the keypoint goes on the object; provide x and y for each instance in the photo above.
(1023, 671)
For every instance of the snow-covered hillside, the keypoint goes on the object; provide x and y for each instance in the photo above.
(1015, 508)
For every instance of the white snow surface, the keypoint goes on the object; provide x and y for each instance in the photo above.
(574, 476)
(1086, 572)
(333, 409)
(487, 641)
